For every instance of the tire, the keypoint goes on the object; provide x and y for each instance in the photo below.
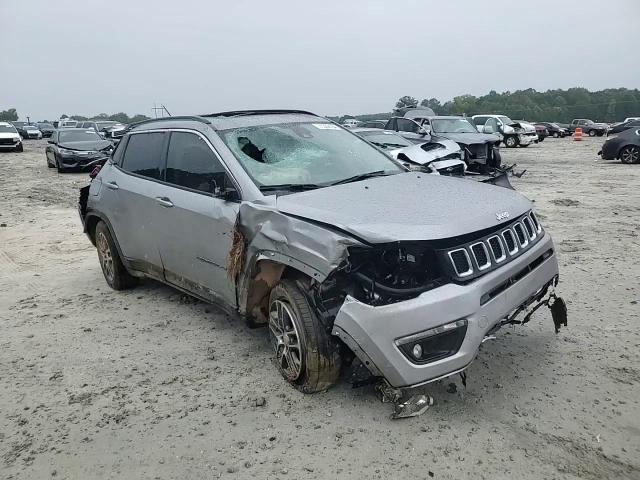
(59, 166)
(592, 133)
(541, 139)
(556, 134)
(305, 354)
(113, 270)
(630, 154)
(48, 162)
(525, 146)
(511, 141)
(20, 148)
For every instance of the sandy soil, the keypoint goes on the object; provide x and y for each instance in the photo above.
(151, 384)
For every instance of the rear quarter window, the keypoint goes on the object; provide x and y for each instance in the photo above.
(143, 155)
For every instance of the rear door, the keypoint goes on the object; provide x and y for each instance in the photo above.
(129, 197)
(197, 231)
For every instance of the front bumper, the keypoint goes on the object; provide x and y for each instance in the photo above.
(372, 332)
(9, 146)
(528, 138)
(82, 161)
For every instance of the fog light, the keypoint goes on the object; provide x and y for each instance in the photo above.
(417, 351)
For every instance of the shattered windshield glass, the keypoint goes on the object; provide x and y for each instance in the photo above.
(316, 154)
(452, 125)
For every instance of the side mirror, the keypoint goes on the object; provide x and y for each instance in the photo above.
(488, 129)
(226, 192)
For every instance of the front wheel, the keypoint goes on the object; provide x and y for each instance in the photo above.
(511, 141)
(630, 154)
(556, 134)
(20, 148)
(305, 353)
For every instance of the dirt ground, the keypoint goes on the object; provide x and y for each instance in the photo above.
(151, 384)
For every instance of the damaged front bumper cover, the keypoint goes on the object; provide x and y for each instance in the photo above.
(458, 316)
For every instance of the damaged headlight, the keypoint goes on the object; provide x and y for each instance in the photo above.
(392, 273)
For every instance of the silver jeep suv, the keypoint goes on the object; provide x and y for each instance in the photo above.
(294, 222)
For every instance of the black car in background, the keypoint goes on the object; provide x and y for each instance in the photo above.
(622, 126)
(46, 128)
(20, 128)
(624, 147)
(555, 130)
(100, 126)
(72, 148)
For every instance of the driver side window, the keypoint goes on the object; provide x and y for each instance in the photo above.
(192, 164)
(405, 125)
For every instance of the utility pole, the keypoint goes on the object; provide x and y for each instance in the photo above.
(162, 109)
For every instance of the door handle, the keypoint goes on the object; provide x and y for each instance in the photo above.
(112, 185)
(164, 201)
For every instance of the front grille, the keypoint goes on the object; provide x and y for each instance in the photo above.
(7, 141)
(477, 150)
(481, 255)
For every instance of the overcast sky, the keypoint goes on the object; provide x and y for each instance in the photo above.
(332, 57)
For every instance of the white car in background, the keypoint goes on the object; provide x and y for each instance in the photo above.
(514, 133)
(10, 139)
(350, 123)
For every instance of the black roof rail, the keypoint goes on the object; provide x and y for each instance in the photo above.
(240, 113)
(179, 117)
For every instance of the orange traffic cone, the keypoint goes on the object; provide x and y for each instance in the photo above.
(577, 135)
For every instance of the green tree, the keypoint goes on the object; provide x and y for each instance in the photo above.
(406, 101)
(139, 118)
(432, 103)
(64, 115)
(79, 118)
(10, 115)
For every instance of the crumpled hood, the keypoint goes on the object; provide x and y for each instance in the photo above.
(86, 146)
(526, 127)
(422, 154)
(407, 206)
(468, 138)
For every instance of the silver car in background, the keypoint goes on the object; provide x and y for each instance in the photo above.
(295, 223)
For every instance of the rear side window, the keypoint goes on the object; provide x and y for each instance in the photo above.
(405, 125)
(192, 164)
(143, 155)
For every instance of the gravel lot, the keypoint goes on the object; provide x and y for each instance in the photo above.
(152, 384)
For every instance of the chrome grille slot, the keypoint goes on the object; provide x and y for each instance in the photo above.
(481, 255)
(510, 240)
(496, 248)
(461, 262)
(522, 237)
(536, 224)
(528, 225)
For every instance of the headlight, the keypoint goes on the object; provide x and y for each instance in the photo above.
(64, 151)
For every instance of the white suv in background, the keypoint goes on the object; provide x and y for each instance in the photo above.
(10, 138)
(513, 133)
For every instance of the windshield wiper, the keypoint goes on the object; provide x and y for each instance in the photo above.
(362, 176)
(292, 187)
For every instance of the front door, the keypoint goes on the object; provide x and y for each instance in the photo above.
(196, 230)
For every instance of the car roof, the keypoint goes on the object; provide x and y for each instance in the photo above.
(232, 119)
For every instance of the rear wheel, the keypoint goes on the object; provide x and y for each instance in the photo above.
(556, 134)
(305, 353)
(592, 133)
(113, 270)
(511, 141)
(630, 154)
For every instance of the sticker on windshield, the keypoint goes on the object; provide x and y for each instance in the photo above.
(326, 126)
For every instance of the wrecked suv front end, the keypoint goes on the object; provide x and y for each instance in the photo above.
(418, 334)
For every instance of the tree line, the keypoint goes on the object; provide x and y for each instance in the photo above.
(11, 115)
(609, 105)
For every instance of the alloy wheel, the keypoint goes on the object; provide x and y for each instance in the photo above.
(630, 155)
(104, 254)
(286, 339)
